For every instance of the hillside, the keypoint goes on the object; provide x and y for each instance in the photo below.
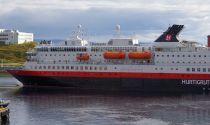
(14, 55)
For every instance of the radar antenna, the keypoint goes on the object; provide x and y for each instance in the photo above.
(78, 33)
(118, 30)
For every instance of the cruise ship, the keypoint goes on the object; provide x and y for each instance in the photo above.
(122, 64)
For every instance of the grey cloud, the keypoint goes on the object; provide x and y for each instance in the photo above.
(56, 21)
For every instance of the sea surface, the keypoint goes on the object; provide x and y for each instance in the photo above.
(67, 107)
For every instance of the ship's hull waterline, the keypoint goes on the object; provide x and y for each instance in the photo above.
(115, 81)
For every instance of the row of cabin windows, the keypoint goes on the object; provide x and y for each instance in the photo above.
(3, 38)
(101, 49)
(198, 69)
(65, 55)
(69, 49)
(64, 49)
(4, 35)
(73, 67)
(183, 62)
(162, 68)
(180, 56)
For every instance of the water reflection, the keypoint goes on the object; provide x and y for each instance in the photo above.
(64, 106)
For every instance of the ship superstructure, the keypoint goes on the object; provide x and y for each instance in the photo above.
(168, 64)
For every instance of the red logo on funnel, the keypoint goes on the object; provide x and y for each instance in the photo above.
(168, 37)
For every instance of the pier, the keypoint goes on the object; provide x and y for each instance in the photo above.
(4, 115)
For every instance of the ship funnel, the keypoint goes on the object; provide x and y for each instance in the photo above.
(208, 37)
(171, 34)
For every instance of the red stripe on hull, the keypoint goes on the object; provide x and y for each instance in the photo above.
(109, 74)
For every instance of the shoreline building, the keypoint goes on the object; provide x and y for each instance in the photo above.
(14, 37)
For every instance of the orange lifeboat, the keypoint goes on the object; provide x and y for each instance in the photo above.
(83, 57)
(114, 55)
(140, 55)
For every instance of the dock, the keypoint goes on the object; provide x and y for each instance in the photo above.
(4, 115)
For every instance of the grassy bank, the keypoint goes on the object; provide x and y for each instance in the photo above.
(4, 74)
(14, 55)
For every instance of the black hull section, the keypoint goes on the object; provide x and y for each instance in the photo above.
(113, 84)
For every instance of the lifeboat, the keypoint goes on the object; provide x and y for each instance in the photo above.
(83, 57)
(140, 55)
(114, 55)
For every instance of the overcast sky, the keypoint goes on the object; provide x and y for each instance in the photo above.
(146, 18)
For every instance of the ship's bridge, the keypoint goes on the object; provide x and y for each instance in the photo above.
(122, 42)
(76, 42)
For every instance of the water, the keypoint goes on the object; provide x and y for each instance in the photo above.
(64, 107)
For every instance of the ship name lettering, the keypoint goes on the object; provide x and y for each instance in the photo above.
(196, 82)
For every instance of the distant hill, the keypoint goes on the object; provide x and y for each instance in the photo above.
(15, 54)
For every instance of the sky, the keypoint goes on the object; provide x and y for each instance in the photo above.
(147, 19)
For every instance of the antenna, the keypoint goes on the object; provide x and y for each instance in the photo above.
(118, 31)
(78, 33)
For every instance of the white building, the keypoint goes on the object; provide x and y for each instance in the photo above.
(14, 37)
